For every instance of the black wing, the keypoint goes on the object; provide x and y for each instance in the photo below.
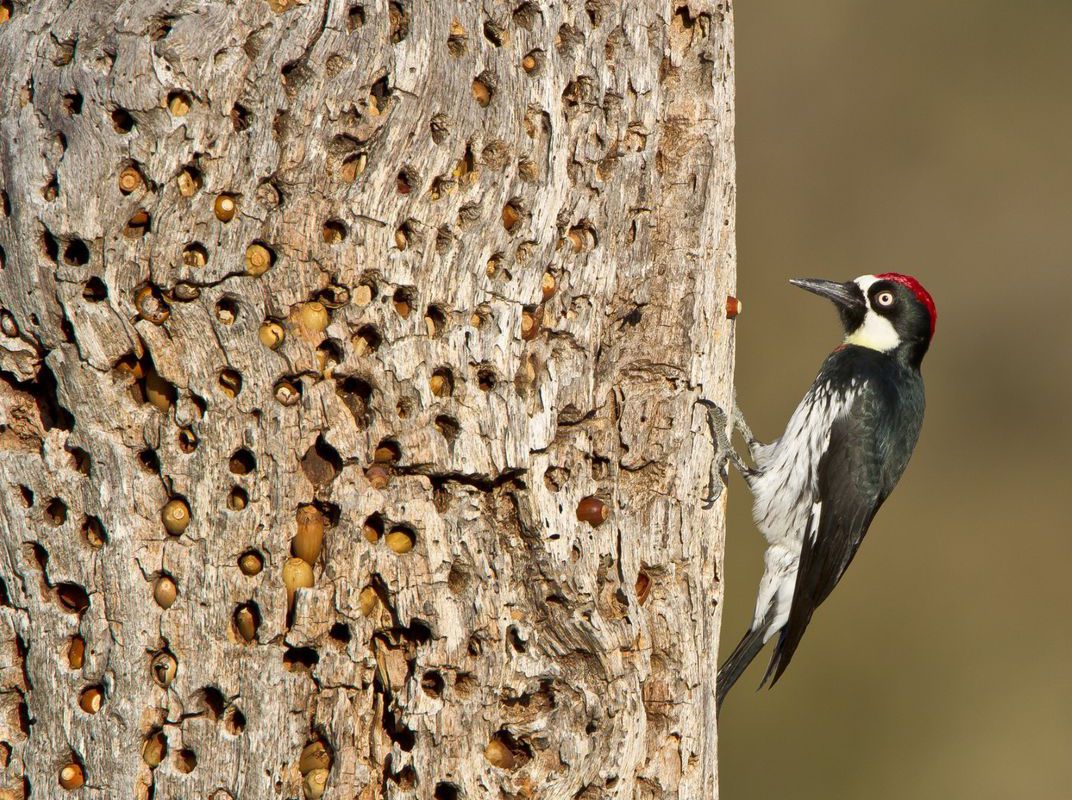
(854, 478)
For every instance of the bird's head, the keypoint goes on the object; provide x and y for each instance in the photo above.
(890, 312)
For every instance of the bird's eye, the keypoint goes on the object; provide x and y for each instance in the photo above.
(884, 298)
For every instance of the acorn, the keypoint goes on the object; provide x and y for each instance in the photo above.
(286, 393)
(271, 334)
(385, 453)
(297, 574)
(481, 92)
(547, 286)
(401, 239)
(530, 325)
(179, 104)
(129, 180)
(733, 307)
(176, 516)
(367, 601)
(372, 528)
(225, 207)
(151, 306)
(362, 294)
(185, 292)
(593, 511)
(189, 182)
(314, 755)
(76, 652)
(314, 784)
(643, 587)
(250, 563)
(72, 776)
(159, 392)
(258, 259)
(378, 476)
(499, 754)
(163, 668)
(154, 750)
(400, 540)
(402, 307)
(90, 699)
(230, 382)
(309, 540)
(510, 216)
(576, 240)
(165, 591)
(439, 383)
(313, 316)
(246, 623)
(528, 63)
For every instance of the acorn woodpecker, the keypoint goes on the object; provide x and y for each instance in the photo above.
(817, 488)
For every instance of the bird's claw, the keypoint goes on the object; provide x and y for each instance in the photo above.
(718, 425)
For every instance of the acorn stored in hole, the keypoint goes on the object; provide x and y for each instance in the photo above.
(176, 516)
(643, 587)
(151, 306)
(158, 391)
(129, 180)
(314, 755)
(499, 754)
(271, 334)
(90, 699)
(76, 652)
(297, 574)
(154, 750)
(178, 104)
(733, 307)
(400, 540)
(528, 63)
(593, 511)
(165, 591)
(530, 325)
(315, 783)
(225, 207)
(250, 563)
(378, 476)
(258, 259)
(72, 776)
(286, 393)
(547, 286)
(367, 601)
(313, 316)
(246, 623)
(309, 540)
(163, 668)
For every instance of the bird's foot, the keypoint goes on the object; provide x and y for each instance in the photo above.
(719, 427)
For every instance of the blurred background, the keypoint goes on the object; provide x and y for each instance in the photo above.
(933, 138)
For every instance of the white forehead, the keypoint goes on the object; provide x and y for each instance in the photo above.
(865, 282)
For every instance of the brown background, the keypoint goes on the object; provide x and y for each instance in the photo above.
(931, 138)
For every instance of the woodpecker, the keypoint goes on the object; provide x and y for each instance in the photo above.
(817, 488)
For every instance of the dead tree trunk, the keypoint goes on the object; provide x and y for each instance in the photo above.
(330, 332)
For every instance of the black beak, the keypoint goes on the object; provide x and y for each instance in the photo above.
(847, 296)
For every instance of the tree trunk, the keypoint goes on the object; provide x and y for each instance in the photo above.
(330, 333)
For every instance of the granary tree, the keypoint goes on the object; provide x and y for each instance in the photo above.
(348, 369)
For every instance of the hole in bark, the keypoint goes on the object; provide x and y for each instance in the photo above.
(334, 231)
(401, 539)
(149, 461)
(456, 40)
(399, 20)
(80, 459)
(485, 379)
(440, 128)
(27, 495)
(190, 181)
(247, 621)
(76, 253)
(230, 382)
(444, 240)
(328, 355)
(251, 563)
(355, 18)
(442, 382)
(379, 96)
(76, 652)
(387, 451)
(507, 752)
(154, 750)
(72, 103)
(483, 89)
(340, 632)
(448, 427)
(403, 302)
(513, 636)
(367, 340)
(494, 32)
(93, 532)
(432, 683)
(404, 182)
(533, 61)
(353, 166)
(139, 224)
(72, 597)
(49, 246)
(447, 791)
(404, 235)
(235, 722)
(227, 310)
(527, 15)
(297, 659)
(239, 117)
(94, 290)
(213, 702)
(91, 698)
(178, 103)
(373, 528)
(195, 255)
(122, 122)
(187, 440)
(435, 320)
(186, 761)
(237, 499)
(475, 646)
(56, 512)
(321, 463)
(242, 462)
(288, 391)
(356, 395)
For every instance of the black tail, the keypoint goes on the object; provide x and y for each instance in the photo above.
(747, 649)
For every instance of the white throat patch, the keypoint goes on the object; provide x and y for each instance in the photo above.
(877, 332)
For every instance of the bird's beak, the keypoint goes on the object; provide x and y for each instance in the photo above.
(845, 295)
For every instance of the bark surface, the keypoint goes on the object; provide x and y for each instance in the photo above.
(384, 296)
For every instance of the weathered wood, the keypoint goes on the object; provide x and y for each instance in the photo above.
(517, 219)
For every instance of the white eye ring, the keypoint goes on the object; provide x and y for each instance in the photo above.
(884, 298)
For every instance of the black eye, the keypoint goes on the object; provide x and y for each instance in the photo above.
(884, 299)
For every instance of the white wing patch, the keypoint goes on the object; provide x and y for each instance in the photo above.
(786, 506)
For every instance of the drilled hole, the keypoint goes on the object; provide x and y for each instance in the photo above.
(432, 683)
(403, 302)
(399, 21)
(297, 659)
(72, 597)
(435, 320)
(355, 17)
(227, 310)
(237, 499)
(94, 290)
(122, 121)
(195, 255)
(187, 440)
(189, 181)
(235, 722)
(239, 117)
(213, 702)
(138, 225)
(448, 427)
(447, 791)
(56, 512)
(230, 382)
(93, 532)
(485, 379)
(72, 103)
(442, 382)
(186, 761)
(178, 103)
(367, 340)
(334, 231)
(494, 32)
(387, 451)
(483, 90)
(247, 621)
(373, 528)
(76, 253)
(456, 40)
(242, 462)
(340, 632)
